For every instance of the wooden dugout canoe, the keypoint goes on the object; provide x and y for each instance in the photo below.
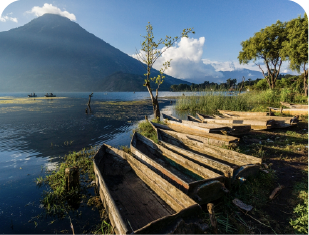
(291, 111)
(242, 113)
(256, 122)
(230, 129)
(209, 128)
(294, 106)
(211, 138)
(201, 184)
(232, 164)
(137, 199)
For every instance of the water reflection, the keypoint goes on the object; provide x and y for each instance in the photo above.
(36, 135)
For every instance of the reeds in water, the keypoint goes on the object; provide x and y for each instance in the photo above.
(210, 102)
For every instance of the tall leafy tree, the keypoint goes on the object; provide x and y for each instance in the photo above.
(266, 45)
(150, 52)
(295, 49)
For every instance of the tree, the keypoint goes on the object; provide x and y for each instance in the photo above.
(295, 49)
(266, 45)
(150, 52)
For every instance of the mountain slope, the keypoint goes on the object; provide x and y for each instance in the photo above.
(52, 53)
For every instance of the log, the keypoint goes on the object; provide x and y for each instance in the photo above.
(71, 178)
(275, 191)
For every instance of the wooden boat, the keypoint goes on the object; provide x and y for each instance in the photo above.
(137, 199)
(232, 164)
(50, 95)
(230, 129)
(32, 95)
(256, 122)
(211, 138)
(201, 184)
(291, 111)
(294, 106)
(241, 113)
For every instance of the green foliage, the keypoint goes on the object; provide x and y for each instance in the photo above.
(295, 49)
(261, 85)
(266, 45)
(300, 219)
(210, 102)
(285, 95)
(57, 201)
(145, 129)
(150, 52)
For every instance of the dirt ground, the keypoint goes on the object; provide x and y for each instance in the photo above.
(285, 151)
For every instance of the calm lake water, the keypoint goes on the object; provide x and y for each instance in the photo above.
(35, 133)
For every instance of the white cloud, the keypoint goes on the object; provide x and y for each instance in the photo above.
(3, 5)
(7, 18)
(304, 4)
(187, 61)
(49, 8)
(234, 65)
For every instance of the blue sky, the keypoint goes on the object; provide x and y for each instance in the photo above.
(220, 26)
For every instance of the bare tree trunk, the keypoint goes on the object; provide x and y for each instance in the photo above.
(89, 103)
(155, 103)
(156, 109)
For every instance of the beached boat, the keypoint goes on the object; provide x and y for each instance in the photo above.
(137, 199)
(229, 129)
(242, 113)
(201, 184)
(294, 106)
(50, 95)
(291, 111)
(210, 132)
(215, 139)
(256, 122)
(230, 163)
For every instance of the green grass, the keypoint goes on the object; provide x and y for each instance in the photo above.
(299, 221)
(210, 102)
(145, 129)
(57, 201)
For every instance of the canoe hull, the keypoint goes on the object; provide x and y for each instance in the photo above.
(207, 188)
(180, 209)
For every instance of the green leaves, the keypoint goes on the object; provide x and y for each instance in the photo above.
(152, 50)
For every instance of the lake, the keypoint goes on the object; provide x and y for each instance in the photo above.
(35, 133)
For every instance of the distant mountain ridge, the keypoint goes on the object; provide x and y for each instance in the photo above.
(52, 53)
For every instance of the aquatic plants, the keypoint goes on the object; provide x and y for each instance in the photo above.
(59, 201)
(210, 102)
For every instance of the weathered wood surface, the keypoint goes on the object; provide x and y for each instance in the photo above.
(243, 113)
(256, 122)
(230, 129)
(291, 111)
(137, 199)
(240, 165)
(295, 106)
(210, 128)
(71, 178)
(202, 184)
(229, 163)
(170, 117)
(212, 138)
